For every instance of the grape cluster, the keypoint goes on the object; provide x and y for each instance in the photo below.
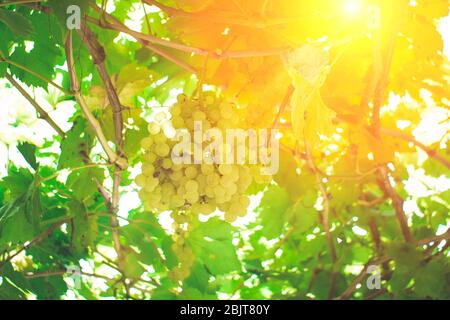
(200, 188)
(190, 189)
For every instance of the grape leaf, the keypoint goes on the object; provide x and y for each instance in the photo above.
(28, 152)
(76, 145)
(16, 22)
(272, 211)
(212, 245)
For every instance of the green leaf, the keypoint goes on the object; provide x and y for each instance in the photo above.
(28, 151)
(431, 279)
(405, 254)
(84, 182)
(17, 182)
(133, 268)
(16, 22)
(49, 288)
(303, 217)
(84, 228)
(75, 147)
(212, 245)
(13, 284)
(20, 217)
(401, 277)
(272, 211)
(198, 278)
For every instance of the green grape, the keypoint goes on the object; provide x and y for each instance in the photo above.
(160, 138)
(176, 176)
(151, 184)
(154, 128)
(191, 172)
(175, 110)
(209, 191)
(225, 169)
(207, 168)
(160, 117)
(146, 143)
(178, 122)
(148, 169)
(177, 201)
(191, 185)
(199, 116)
(226, 181)
(212, 179)
(140, 180)
(162, 149)
(230, 217)
(167, 163)
(192, 197)
(150, 157)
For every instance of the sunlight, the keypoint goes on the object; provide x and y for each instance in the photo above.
(352, 7)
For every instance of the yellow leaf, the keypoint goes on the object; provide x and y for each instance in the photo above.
(310, 117)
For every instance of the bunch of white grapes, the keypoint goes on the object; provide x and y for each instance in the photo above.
(196, 188)
(184, 253)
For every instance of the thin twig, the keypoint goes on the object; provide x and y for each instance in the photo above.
(397, 202)
(429, 151)
(42, 113)
(436, 239)
(61, 272)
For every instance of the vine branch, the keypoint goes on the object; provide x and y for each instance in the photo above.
(98, 56)
(113, 157)
(218, 54)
